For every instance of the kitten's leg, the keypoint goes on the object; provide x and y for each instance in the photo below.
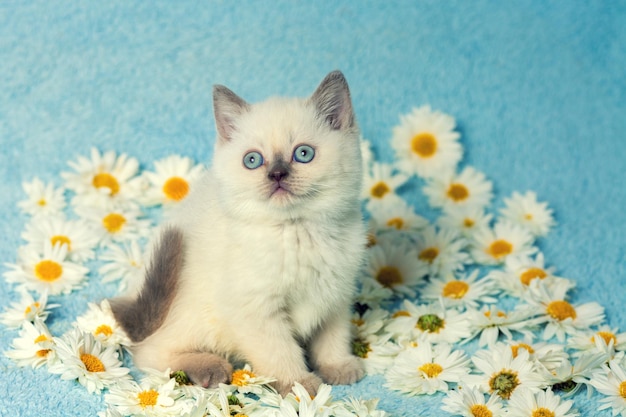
(203, 368)
(331, 352)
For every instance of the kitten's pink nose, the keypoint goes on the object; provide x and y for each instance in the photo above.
(278, 174)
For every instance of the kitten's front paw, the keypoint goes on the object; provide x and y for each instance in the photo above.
(343, 373)
(310, 382)
(206, 369)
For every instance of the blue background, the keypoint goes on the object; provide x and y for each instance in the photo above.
(538, 89)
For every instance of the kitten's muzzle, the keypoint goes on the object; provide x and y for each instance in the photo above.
(278, 171)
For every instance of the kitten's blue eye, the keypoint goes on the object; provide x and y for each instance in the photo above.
(253, 160)
(304, 154)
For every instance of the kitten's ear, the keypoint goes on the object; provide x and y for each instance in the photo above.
(227, 107)
(332, 100)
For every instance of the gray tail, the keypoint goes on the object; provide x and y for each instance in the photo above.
(142, 316)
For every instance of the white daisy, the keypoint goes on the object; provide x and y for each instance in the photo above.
(116, 224)
(526, 211)
(605, 339)
(526, 403)
(34, 347)
(470, 402)
(425, 142)
(171, 181)
(371, 292)
(520, 270)
(306, 406)
(247, 381)
(430, 322)
(611, 381)
(426, 369)
(50, 272)
(561, 316)
(126, 263)
(382, 183)
(495, 246)
(568, 378)
(378, 356)
(42, 199)
(77, 235)
(461, 290)
(467, 220)
(470, 188)
(83, 358)
(442, 251)
(490, 322)
(549, 355)
(395, 214)
(370, 324)
(104, 179)
(503, 374)
(27, 309)
(99, 321)
(145, 399)
(359, 408)
(395, 267)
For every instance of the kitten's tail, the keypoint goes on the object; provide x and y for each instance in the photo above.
(142, 316)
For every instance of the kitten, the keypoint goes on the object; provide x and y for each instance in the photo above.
(259, 263)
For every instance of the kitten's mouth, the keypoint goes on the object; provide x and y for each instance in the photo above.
(279, 189)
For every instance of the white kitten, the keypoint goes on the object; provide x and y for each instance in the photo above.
(259, 262)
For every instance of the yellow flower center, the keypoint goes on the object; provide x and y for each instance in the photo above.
(515, 349)
(103, 329)
(500, 248)
(401, 313)
(42, 202)
(106, 180)
(30, 308)
(431, 370)
(467, 222)
(41, 338)
(500, 314)
(48, 271)
(63, 240)
(358, 322)
(430, 323)
(532, 273)
(480, 410)
(561, 310)
(458, 192)
(43, 353)
(542, 412)
(424, 145)
(379, 190)
(622, 389)
(429, 254)
(114, 222)
(92, 363)
(528, 216)
(396, 222)
(371, 240)
(607, 336)
(176, 188)
(455, 289)
(241, 376)
(148, 398)
(504, 383)
(389, 276)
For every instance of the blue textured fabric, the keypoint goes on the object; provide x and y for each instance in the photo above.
(538, 90)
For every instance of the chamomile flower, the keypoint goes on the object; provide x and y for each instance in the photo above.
(358, 408)
(50, 272)
(370, 324)
(519, 271)
(125, 262)
(34, 347)
(382, 183)
(568, 378)
(247, 381)
(467, 220)
(103, 180)
(83, 358)
(469, 188)
(490, 322)
(77, 235)
(116, 225)
(442, 251)
(495, 246)
(145, 399)
(372, 293)
(501, 373)
(470, 402)
(99, 321)
(526, 403)
(611, 381)
(396, 268)
(425, 142)
(42, 199)
(605, 339)
(426, 369)
(305, 405)
(561, 316)
(395, 214)
(526, 211)
(378, 356)
(431, 322)
(460, 291)
(549, 355)
(27, 309)
(171, 181)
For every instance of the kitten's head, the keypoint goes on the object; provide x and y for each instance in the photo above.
(288, 158)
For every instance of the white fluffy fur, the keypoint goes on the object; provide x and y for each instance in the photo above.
(269, 279)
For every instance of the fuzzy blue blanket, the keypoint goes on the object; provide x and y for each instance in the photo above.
(537, 90)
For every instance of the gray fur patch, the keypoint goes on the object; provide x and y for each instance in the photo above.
(142, 316)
